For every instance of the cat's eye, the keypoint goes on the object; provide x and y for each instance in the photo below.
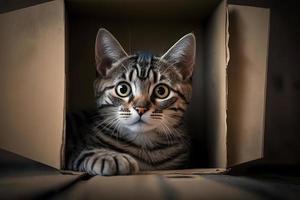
(161, 91)
(123, 89)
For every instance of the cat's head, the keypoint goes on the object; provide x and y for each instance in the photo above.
(143, 92)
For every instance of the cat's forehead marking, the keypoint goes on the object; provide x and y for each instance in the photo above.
(143, 64)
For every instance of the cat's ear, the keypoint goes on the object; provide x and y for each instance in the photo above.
(107, 51)
(182, 55)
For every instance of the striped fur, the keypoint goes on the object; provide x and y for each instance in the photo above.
(141, 100)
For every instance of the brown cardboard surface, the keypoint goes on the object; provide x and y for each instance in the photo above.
(202, 187)
(157, 187)
(37, 181)
(117, 187)
(215, 77)
(34, 187)
(247, 71)
(32, 61)
(200, 171)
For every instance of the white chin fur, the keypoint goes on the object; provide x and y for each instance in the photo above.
(140, 127)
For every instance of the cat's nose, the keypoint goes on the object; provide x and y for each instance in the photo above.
(140, 110)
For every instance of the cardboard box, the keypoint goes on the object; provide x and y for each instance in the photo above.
(44, 73)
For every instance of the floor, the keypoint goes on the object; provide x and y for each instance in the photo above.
(21, 178)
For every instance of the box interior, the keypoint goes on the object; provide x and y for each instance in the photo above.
(149, 26)
(48, 70)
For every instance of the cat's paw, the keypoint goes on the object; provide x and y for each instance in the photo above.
(110, 163)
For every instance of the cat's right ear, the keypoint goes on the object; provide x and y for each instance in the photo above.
(107, 51)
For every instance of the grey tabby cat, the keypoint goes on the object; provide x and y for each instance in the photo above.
(141, 100)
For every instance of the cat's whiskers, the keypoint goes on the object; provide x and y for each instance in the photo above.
(116, 124)
(109, 125)
(172, 133)
(101, 122)
(176, 134)
(165, 132)
(112, 124)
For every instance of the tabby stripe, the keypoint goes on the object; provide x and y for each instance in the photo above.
(123, 76)
(81, 157)
(148, 72)
(105, 106)
(170, 158)
(95, 161)
(176, 109)
(181, 95)
(162, 77)
(155, 75)
(123, 140)
(109, 145)
(100, 93)
(130, 75)
(167, 103)
(117, 164)
(86, 161)
(108, 133)
(102, 166)
(131, 169)
(115, 100)
(173, 163)
(130, 98)
(149, 88)
(141, 154)
(142, 73)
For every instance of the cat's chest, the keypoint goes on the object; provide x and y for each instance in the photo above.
(154, 151)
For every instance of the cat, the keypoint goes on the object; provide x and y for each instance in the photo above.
(141, 100)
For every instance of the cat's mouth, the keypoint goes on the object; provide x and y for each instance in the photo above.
(140, 125)
(140, 121)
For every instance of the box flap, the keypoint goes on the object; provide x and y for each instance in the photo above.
(215, 83)
(247, 71)
(32, 81)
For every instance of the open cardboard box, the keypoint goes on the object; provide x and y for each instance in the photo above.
(47, 70)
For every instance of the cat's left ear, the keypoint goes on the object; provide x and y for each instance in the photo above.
(107, 51)
(182, 55)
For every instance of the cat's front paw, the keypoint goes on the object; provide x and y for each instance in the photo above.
(108, 163)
